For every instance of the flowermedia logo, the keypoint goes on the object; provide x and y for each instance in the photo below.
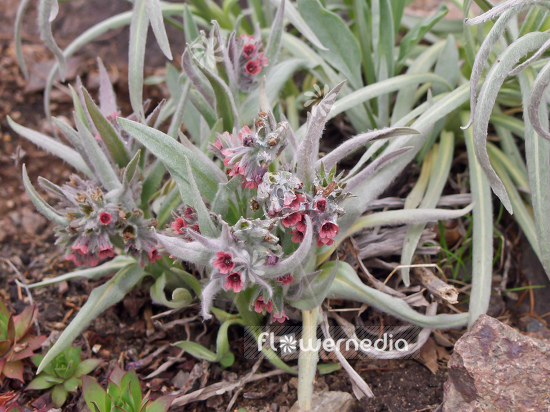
(362, 343)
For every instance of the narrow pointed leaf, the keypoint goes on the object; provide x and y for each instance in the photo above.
(110, 137)
(43, 207)
(101, 298)
(136, 52)
(53, 146)
(46, 14)
(157, 24)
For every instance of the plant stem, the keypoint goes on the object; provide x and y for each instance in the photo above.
(307, 360)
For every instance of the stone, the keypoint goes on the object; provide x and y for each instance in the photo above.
(496, 368)
(328, 401)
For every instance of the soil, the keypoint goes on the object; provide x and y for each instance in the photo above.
(127, 335)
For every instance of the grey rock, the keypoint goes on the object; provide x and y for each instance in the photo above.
(496, 368)
(328, 401)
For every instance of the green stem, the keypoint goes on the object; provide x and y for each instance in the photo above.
(307, 360)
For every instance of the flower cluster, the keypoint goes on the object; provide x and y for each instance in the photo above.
(281, 195)
(185, 219)
(249, 153)
(96, 221)
(251, 60)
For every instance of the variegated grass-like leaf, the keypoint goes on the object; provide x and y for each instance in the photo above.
(482, 237)
(538, 159)
(435, 187)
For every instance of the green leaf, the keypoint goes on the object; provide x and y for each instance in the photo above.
(172, 154)
(225, 104)
(94, 395)
(343, 50)
(184, 298)
(43, 207)
(197, 350)
(537, 154)
(434, 190)
(161, 404)
(109, 136)
(99, 162)
(104, 269)
(86, 366)
(486, 100)
(190, 29)
(221, 202)
(101, 298)
(415, 35)
(41, 382)
(59, 395)
(315, 293)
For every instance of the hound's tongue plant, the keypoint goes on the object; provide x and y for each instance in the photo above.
(256, 209)
(261, 236)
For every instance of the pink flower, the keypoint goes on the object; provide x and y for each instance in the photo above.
(321, 204)
(260, 305)
(234, 281)
(324, 241)
(224, 262)
(249, 51)
(112, 116)
(106, 252)
(297, 236)
(253, 67)
(295, 201)
(189, 213)
(285, 279)
(272, 259)
(178, 225)
(292, 219)
(153, 255)
(82, 248)
(328, 230)
(245, 131)
(281, 317)
(105, 218)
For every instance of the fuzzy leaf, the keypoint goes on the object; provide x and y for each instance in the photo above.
(53, 146)
(314, 293)
(192, 252)
(348, 286)
(99, 161)
(43, 207)
(107, 97)
(110, 137)
(172, 154)
(136, 60)
(154, 12)
(158, 296)
(343, 50)
(486, 100)
(348, 147)
(308, 150)
(46, 14)
(101, 298)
